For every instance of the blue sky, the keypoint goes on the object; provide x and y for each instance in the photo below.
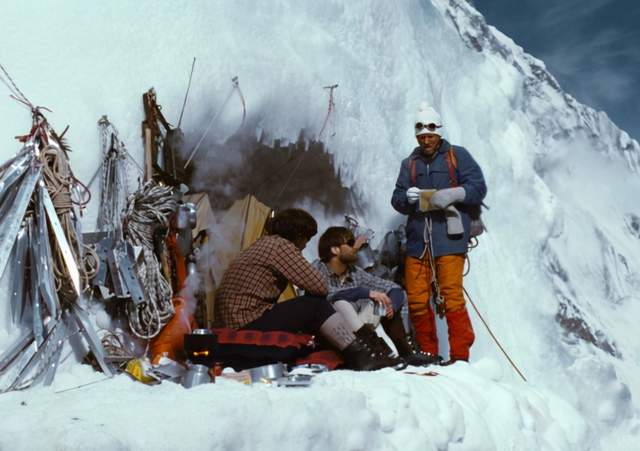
(591, 46)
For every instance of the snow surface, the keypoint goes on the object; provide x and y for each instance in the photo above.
(563, 188)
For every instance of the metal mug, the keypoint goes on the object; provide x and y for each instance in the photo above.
(267, 373)
(196, 375)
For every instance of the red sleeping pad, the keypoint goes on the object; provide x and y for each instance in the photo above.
(241, 349)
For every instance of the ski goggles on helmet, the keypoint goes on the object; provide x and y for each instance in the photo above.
(429, 127)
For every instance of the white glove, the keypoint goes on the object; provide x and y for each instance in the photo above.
(413, 194)
(442, 198)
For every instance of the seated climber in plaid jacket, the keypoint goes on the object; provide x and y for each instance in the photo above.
(250, 287)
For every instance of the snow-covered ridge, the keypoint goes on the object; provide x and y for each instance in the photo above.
(556, 112)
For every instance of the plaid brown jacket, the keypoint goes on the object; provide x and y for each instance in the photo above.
(253, 282)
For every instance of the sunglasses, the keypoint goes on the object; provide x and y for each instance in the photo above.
(430, 126)
(350, 242)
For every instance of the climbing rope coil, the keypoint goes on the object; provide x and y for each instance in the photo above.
(41, 246)
(148, 210)
(67, 192)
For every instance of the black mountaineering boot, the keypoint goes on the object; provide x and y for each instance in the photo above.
(416, 356)
(407, 348)
(368, 334)
(359, 356)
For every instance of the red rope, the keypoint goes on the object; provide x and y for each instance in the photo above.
(330, 109)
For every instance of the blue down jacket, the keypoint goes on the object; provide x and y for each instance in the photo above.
(434, 174)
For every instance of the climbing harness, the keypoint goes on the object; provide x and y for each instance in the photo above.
(113, 148)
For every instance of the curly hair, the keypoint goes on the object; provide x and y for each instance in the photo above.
(292, 224)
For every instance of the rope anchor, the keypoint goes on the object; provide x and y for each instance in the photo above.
(235, 88)
(330, 109)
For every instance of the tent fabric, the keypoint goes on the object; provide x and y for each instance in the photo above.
(239, 228)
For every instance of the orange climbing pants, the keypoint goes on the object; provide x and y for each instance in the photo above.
(418, 275)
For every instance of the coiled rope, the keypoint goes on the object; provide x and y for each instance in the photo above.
(149, 209)
(62, 186)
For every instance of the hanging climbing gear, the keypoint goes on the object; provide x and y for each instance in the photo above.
(162, 144)
(330, 109)
(301, 156)
(438, 299)
(113, 183)
(235, 88)
(148, 210)
(41, 245)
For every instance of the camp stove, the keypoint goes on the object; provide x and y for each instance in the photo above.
(199, 346)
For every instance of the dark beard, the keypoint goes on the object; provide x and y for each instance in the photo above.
(348, 259)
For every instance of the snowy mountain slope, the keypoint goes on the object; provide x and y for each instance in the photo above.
(460, 408)
(558, 274)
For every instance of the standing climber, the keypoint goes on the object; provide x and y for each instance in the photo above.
(439, 185)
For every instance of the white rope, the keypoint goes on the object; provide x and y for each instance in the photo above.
(149, 209)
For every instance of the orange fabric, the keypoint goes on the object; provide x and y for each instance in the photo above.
(461, 335)
(426, 334)
(449, 269)
(179, 262)
(418, 279)
(170, 341)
